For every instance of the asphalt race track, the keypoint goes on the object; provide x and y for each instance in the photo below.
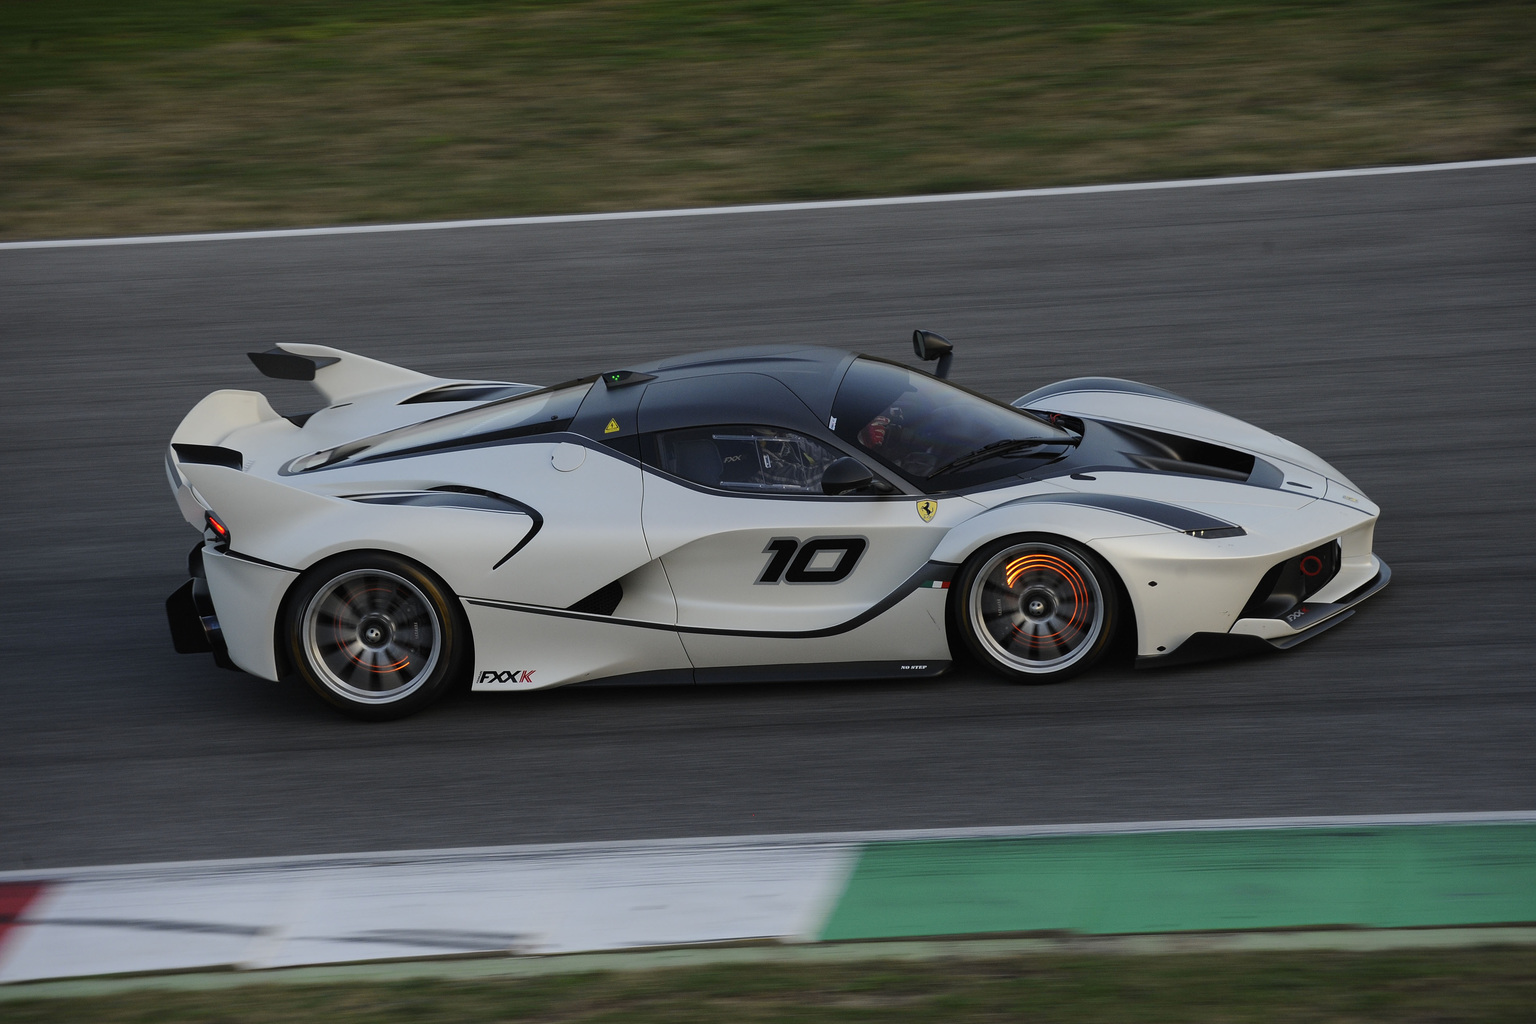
(1387, 322)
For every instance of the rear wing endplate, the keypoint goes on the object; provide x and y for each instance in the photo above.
(339, 376)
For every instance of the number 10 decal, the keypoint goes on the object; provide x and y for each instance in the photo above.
(791, 560)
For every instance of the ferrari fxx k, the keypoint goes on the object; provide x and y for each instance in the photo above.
(790, 512)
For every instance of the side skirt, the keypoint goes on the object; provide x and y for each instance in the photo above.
(822, 673)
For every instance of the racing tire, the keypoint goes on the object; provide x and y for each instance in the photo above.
(1035, 609)
(375, 636)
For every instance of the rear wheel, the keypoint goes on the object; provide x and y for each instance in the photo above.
(1036, 610)
(375, 635)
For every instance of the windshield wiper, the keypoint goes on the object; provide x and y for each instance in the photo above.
(996, 449)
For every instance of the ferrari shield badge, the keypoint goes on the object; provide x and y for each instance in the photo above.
(926, 509)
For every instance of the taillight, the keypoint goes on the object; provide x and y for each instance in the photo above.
(215, 532)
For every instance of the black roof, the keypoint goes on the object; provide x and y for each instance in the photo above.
(787, 386)
(810, 371)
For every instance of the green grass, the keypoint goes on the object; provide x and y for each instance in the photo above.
(186, 114)
(1486, 985)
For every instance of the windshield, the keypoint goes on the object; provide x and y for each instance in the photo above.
(936, 434)
(537, 412)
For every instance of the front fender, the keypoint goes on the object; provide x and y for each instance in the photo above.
(1074, 522)
(1177, 583)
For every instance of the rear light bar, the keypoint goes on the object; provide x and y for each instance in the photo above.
(215, 532)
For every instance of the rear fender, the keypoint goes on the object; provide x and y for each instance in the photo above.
(1078, 523)
(294, 528)
(220, 414)
(209, 424)
(1095, 529)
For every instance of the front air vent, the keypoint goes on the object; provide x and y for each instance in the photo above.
(1289, 583)
(1170, 453)
(1166, 465)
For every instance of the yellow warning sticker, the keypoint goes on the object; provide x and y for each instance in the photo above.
(612, 427)
(927, 509)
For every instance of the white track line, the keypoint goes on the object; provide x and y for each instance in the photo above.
(716, 211)
(803, 839)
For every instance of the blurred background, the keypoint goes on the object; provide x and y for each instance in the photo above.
(173, 115)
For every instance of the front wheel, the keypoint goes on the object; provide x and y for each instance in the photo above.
(1036, 610)
(374, 635)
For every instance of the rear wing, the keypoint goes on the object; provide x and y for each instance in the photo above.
(339, 376)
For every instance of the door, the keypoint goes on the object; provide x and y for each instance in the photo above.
(767, 570)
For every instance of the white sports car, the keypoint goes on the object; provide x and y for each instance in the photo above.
(748, 514)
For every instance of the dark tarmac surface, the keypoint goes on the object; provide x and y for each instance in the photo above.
(1389, 323)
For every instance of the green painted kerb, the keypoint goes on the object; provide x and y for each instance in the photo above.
(1378, 877)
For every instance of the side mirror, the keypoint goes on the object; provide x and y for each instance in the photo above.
(844, 475)
(929, 346)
